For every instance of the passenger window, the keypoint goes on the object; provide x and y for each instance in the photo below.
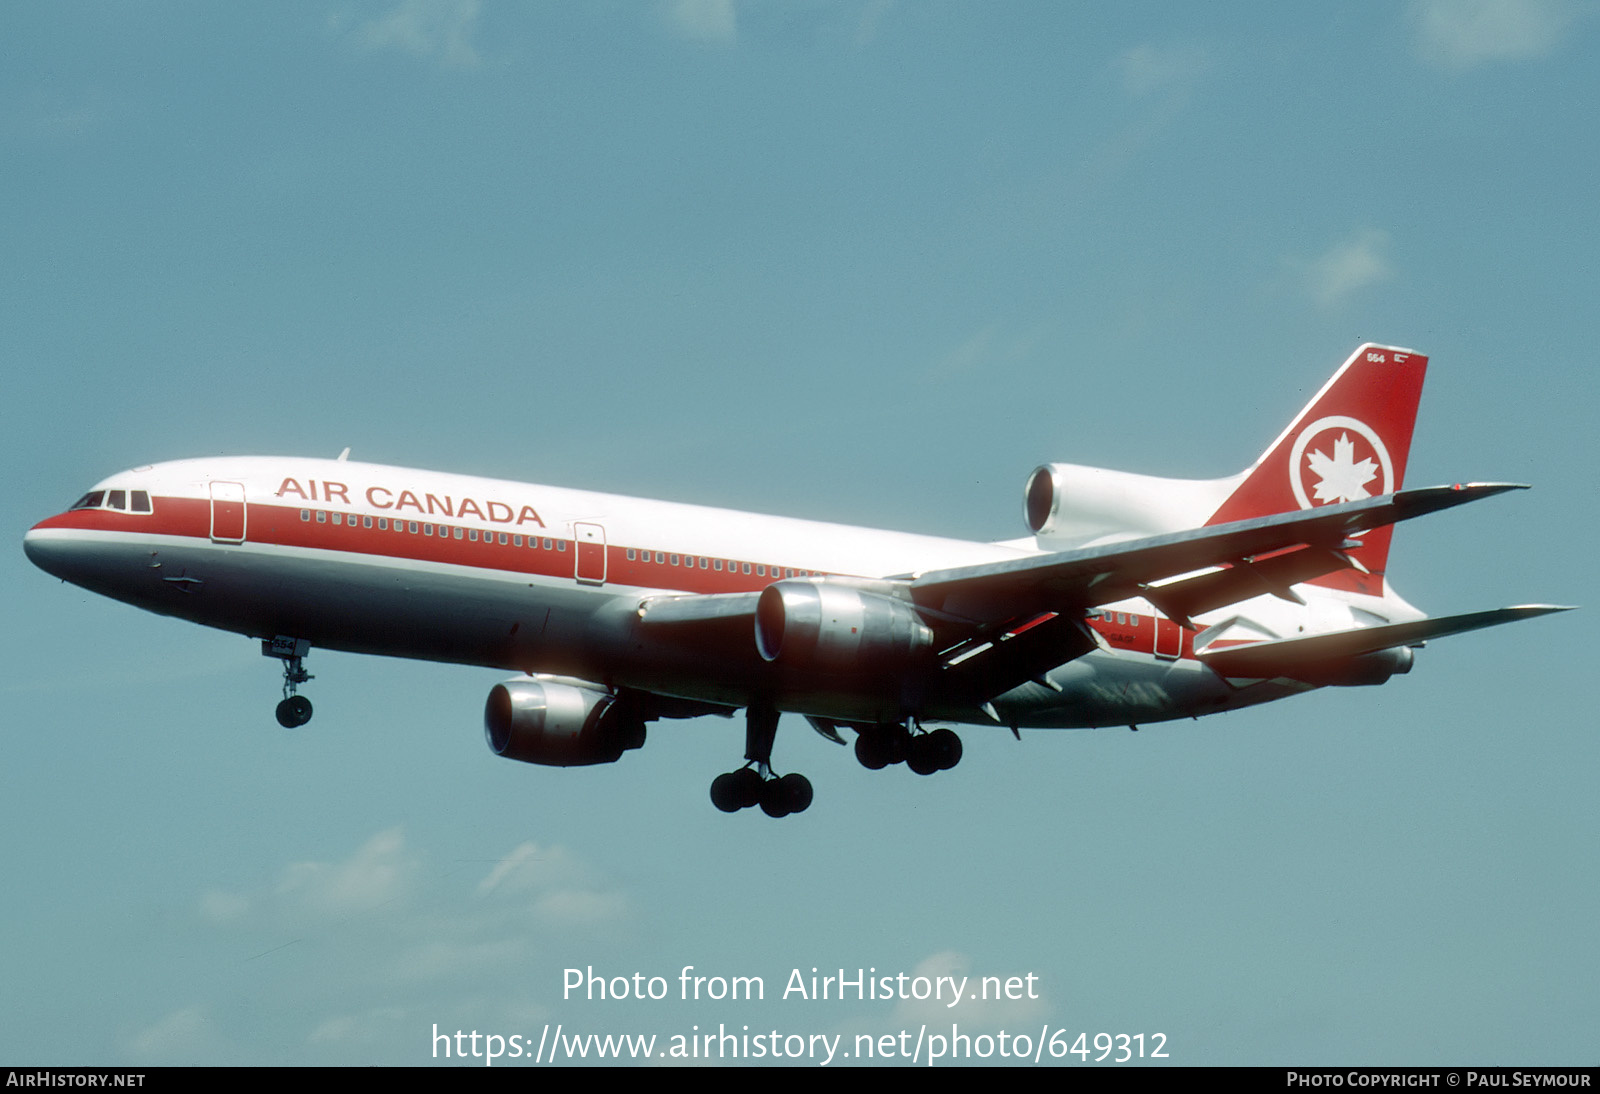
(366, 522)
(322, 516)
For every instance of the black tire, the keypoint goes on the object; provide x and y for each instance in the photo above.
(748, 780)
(726, 793)
(946, 748)
(774, 801)
(897, 743)
(924, 756)
(796, 792)
(294, 712)
(870, 751)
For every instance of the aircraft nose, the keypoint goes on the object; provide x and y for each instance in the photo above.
(48, 550)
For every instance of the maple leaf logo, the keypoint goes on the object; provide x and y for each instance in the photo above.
(1342, 478)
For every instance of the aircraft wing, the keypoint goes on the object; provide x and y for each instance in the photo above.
(1068, 581)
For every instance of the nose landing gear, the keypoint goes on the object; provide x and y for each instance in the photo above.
(295, 709)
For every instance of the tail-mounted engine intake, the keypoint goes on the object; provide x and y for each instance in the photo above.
(1072, 504)
(562, 725)
(834, 628)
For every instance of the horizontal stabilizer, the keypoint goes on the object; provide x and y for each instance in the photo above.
(1293, 657)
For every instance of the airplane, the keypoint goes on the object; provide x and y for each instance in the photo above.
(1135, 599)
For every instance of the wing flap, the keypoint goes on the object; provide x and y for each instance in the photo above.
(1185, 598)
(995, 667)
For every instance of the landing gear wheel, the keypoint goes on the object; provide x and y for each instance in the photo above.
(774, 802)
(897, 743)
(870, 751)
(924, 757)
(748, 782)
(294, 712)
(946, 748)
(879, 746)
(737, 790)
(796, 792)
(726, 794)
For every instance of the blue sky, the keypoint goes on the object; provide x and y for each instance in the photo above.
(869, 262)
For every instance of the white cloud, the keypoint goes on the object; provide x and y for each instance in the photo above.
(991, 347)
(1150, 69)
(1460, 34)
(712, 21)
(386, 921)
(872, 17)
(564, 891)
(373, 1027)
(1348, 267)
(996, 1012)
(220, 907)
(379, 872)
(185, 1035)
(437, 30)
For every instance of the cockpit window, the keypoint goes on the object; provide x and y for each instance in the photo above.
(128, 501)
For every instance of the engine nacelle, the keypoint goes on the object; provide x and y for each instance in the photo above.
(834, 628)
(562, 725)
(1069, 503)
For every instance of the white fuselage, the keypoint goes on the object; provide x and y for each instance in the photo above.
(411, 563)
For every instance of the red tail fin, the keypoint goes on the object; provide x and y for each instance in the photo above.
(1350, 442)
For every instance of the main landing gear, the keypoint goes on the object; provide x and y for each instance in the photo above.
(924, 753)
(755, 783)
(295, 710)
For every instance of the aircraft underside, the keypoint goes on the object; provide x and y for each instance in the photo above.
(504, 621)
